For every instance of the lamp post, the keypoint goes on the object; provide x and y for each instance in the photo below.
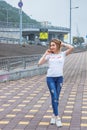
(20, 4)
(70, 22)
(7, 17)
(70, 40)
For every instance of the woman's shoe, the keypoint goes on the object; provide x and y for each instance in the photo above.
(52, 121)
(58, 122)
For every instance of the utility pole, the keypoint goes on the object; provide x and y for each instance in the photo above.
(20, 4)
(70, 23)
(70, 40)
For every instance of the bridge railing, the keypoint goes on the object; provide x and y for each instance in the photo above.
(9, 40)
(30, 25)
(11, 63)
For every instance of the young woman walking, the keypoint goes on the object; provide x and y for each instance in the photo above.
(55, 58)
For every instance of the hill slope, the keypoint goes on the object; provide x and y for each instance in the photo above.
(11, 14)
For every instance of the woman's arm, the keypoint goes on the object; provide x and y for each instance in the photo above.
(69, 48)
(42, 59)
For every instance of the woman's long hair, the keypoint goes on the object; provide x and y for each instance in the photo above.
(57, 42)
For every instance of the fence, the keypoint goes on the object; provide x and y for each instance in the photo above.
(30, 25)
(9, 63)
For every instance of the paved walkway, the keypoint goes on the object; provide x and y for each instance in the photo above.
(25, 104)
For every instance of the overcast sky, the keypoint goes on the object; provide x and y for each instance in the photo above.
(57, 12)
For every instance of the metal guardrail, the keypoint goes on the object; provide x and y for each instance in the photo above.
(30, 25)
(10, 63)
(9, 40)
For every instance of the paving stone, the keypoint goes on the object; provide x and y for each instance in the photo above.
(25, 104)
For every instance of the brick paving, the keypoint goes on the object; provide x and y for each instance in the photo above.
(25, 104)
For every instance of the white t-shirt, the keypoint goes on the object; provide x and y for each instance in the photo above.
(55, 64)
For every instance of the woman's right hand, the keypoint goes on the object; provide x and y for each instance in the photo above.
(42, 59)
(48, 51)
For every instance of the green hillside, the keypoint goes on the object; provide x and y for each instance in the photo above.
(11, 14)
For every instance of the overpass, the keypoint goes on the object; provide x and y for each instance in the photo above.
(30, 31)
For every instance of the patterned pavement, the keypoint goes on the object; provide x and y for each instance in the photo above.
(25, 104)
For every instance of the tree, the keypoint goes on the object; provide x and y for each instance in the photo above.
(78, 40)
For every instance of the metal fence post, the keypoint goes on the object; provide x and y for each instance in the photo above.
(24, 63)
(8, 64)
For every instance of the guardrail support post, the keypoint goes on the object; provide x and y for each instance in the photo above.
(8, 64)
(24, 63)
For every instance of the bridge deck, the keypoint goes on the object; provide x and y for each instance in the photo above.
(25, 103)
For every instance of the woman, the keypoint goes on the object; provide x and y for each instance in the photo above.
(55, 58)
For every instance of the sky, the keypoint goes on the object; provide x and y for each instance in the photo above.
(57, 12)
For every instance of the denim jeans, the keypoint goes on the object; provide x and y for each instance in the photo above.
(55, 85)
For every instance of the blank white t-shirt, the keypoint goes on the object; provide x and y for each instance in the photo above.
(55, 64)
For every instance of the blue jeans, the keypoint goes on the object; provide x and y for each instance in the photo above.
(55, 85)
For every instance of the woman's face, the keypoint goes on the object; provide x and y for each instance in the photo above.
(53, 47)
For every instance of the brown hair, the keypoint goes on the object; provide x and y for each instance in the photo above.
(57, 42)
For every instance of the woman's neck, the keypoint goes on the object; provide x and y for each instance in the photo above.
(57, 52)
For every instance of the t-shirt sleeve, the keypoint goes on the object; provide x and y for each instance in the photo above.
(64, 54)
(47, 57)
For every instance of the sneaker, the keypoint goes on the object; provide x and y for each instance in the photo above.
(52, 121)
(58, 122)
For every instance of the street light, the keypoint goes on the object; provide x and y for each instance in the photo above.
(20, 4)
(71, 20)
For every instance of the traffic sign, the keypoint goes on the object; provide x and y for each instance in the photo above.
(20, 4)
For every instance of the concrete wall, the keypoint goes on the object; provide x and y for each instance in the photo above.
(9, 33)
(23, 73)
